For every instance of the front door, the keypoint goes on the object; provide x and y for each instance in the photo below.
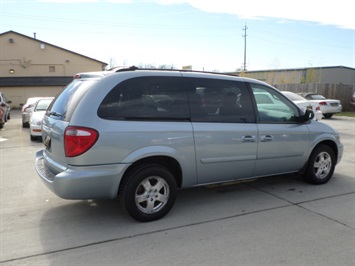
(282, 140)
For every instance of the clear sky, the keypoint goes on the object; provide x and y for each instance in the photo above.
(206, 34)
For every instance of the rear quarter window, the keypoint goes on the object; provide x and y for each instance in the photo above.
(64, 104)
(146, 98)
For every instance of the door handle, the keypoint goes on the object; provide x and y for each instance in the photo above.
(266, 138)
(248, 139)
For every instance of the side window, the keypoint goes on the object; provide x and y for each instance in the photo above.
(216, 100)
(157, 98)
(272, 106)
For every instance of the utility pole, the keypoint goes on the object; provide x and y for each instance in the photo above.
(245, 47)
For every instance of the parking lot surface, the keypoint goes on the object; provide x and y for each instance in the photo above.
(272, 221)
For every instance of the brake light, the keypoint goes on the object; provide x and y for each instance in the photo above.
(318, 108)
(78, 140)
(28, 107)
(322, 103)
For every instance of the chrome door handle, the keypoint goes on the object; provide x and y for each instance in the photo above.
(248, 139)
(266, 138)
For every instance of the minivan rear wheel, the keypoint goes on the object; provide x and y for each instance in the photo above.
(321, 165)
(149, 192)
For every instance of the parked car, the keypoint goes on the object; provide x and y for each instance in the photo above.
(5, 109)
(27, 109)
(352, 101)
(304, 104)
(329, 107)
(38, 111)
(116, 136)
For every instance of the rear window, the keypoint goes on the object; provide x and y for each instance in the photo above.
(64, 104)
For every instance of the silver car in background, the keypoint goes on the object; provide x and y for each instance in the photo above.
(27, 109)
(4, 109)
(140, 135)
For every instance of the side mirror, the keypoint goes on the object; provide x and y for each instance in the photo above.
(308, 115)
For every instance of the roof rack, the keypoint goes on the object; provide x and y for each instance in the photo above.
(133, 68)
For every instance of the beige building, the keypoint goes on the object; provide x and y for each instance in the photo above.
(31, 67)
(323, 75)
(333, 82)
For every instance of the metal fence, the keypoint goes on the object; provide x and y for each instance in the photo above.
(341, 92)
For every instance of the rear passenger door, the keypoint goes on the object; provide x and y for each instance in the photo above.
(224, 129)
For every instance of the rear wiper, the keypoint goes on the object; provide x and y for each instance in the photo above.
(55, 114)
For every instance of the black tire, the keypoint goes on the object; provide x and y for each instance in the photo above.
(33, 137)
(328, 115)
(149, 192)
(320, 166)
(25, 125)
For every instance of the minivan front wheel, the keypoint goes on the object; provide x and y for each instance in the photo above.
(149, 193)
(321, 165)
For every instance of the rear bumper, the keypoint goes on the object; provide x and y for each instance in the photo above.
(36, 131)
(25, 117)
(331, 110)
(89, 182)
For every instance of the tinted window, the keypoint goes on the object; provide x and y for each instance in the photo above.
(272, 106)
(215, 100)
(64, 105)
(157, 98)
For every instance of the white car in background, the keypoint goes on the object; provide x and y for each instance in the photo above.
(38, 111)
(304, 104)
(329, 107)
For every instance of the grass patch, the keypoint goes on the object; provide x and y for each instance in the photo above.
(349, 114)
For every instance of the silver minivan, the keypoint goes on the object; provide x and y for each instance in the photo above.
(140, 135)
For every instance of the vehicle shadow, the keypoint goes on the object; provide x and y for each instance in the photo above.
(90, 222)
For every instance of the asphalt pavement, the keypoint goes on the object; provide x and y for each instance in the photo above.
(278, 220)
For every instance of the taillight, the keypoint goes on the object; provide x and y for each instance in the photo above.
(322, 103)
(78, 140)
(318, 108)
(28, 107)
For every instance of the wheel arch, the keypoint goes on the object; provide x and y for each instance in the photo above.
(330, 144)
(168, 162)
